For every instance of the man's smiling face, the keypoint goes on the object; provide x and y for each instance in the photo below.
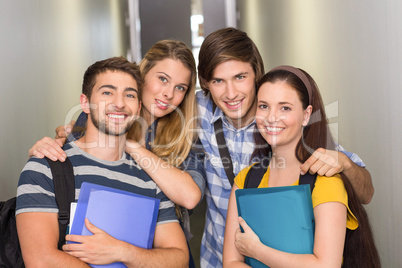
(233, 90)
(114, 103)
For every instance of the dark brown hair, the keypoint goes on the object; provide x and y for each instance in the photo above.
(112, 64)
(359, 249)
(316, 134)
(224, 45)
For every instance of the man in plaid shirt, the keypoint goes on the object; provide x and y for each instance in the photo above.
(229, 68)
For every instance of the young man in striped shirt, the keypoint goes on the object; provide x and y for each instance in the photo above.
(111, 93)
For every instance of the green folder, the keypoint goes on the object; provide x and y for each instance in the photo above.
(282, 217)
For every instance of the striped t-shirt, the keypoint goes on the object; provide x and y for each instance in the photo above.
(35, 191)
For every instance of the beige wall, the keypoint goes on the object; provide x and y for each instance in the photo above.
(353, 50)
(45, 48)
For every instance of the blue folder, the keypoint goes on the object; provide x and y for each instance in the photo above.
(124, 215)
(282, 217)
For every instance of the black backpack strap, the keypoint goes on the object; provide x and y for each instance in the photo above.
(308, 179)
(257, 171)
(254, 176)
(223, 151)
(64, 190)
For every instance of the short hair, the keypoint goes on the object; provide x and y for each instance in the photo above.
(112, 64)
(224, 45)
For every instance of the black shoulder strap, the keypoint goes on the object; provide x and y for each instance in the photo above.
(254, 176)
(223, 151)
(308, 179)
(257, 171)
(64, 190)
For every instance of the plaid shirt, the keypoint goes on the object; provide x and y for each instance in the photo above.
(240, 144)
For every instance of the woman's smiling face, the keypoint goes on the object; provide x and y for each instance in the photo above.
(164, 89)
(280, 116)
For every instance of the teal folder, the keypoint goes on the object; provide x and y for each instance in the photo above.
(124, 215)
(282, 217)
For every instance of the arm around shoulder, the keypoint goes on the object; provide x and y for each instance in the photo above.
(180, 188)
(360, 179)
(328, 163)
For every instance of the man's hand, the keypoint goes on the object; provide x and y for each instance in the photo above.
(326, 163)
(99, 248)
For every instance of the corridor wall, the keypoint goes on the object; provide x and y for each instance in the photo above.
(45, 48)
(353, 50)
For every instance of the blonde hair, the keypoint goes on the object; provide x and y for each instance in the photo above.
(176, 132)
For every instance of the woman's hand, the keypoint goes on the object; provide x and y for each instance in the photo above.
(180, 188)
(51, 148)
(246, 242)
(64, 131)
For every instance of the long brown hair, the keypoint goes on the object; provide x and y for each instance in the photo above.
(359, 249)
